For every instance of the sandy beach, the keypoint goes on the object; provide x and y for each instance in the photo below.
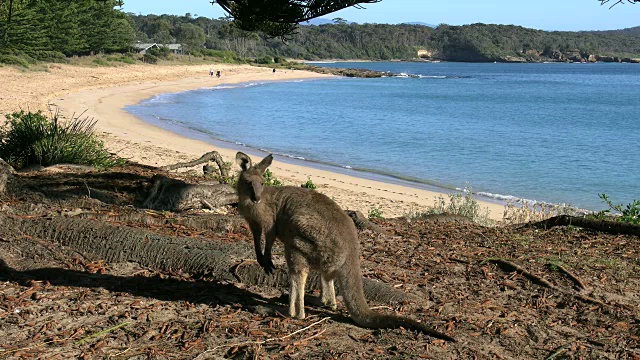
(102, 92)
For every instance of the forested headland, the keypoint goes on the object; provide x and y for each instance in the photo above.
(55, 29)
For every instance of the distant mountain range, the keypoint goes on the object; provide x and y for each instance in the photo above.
(324, 21)
(318, 21)
(628, 31)
(420, 23)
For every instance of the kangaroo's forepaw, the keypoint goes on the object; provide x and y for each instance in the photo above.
(267, 265)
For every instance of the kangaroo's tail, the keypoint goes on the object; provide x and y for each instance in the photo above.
(350, 281)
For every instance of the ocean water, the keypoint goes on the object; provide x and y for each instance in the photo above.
(557, 133)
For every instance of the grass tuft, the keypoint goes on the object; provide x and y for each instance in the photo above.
(33, 139)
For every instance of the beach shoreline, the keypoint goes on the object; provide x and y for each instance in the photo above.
(102, 93)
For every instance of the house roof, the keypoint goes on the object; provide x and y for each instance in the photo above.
(144, 46)
(173, 46)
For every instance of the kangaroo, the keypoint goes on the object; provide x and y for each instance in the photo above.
(316, 234)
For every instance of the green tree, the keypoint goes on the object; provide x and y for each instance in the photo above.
(191, 37)
(163, 37)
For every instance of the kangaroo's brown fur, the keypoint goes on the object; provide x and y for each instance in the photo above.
(316, 234)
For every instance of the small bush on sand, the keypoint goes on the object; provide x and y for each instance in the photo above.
(525, 211)
(309, 184)
(32, 138)
(459, 204)
(270, 180)
(375, 213)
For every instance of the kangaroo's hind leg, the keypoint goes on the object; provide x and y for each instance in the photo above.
(327, 291)
(298, 272)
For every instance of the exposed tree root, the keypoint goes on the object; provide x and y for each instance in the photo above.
(212, 155)
(569, 274)
(509, 266)
(606, 226)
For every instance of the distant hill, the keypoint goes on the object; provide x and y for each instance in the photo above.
(420, 23)
(320, 21)
(471, 43)
(628, 31)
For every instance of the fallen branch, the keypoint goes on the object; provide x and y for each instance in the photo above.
(605, 226)
(212, 155)
(571, 276)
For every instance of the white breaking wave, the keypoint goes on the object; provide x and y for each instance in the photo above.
(236, 86)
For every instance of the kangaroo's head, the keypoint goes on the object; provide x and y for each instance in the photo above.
(251, 181)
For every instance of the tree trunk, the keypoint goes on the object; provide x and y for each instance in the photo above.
(222, 261)
(176, 195)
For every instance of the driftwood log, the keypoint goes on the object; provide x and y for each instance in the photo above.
(6, 172)
(177, 195)
(363, 223)
(610, 227)
(212, 155)
(96, 240)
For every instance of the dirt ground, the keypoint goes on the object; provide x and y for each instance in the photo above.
(57, 302)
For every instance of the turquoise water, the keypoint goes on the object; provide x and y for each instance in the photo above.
(558, 133)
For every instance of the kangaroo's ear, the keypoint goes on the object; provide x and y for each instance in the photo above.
(264, 164)
(243, 160)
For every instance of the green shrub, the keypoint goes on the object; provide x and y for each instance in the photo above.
(225, 56)
(100, 62)
(309, 184)
(264, 60)
(149, 58)
(13, 60)
(32, 138)
(459, 204)
(279, 60)
(48, 56)
(270, 180)
(629, 214)
(121, 58)
(161, 52)
(375, 213)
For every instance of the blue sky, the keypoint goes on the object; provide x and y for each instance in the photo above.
(538, 14)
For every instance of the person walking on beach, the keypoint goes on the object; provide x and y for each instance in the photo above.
(218, 73)
(211, 72)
